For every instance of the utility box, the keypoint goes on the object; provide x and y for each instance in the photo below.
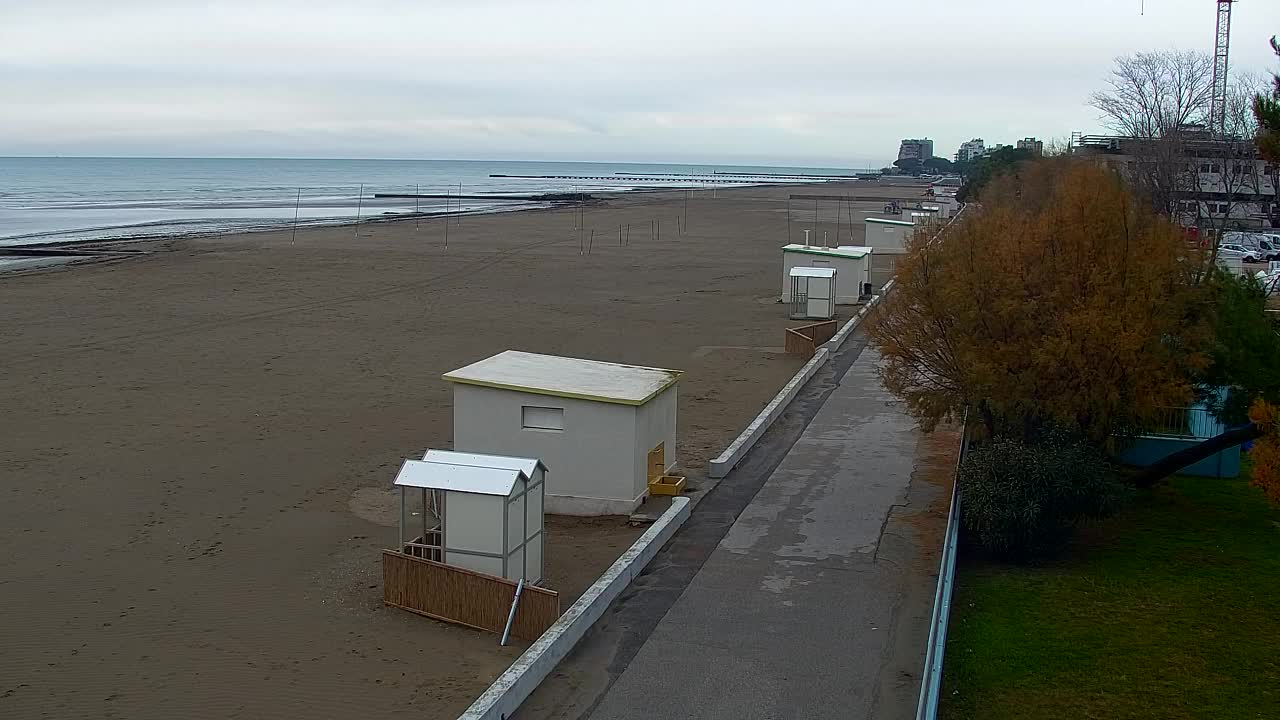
(478, 512)
(813, 293)
(606, 428)
(851, 263)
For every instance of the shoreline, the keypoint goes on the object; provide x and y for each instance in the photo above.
(595, 199)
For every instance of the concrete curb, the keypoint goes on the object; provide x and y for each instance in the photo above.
(732, 455)
(530, 669)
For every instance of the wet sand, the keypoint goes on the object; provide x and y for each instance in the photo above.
(197, 444)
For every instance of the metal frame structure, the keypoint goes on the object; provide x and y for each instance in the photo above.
(1221, 49)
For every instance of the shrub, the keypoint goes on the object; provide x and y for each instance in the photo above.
(1022, 502)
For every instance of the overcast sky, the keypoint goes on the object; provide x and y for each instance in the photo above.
(834, 83)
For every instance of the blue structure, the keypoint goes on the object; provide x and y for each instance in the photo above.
(1178, 429)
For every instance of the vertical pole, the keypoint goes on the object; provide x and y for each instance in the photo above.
(628, 233)
(684, 228)
(619, 234)
(788, 218)
(401, 546)
(849, 209)
(592, 243)
(815, 217)
(416, 191)
(459, 204)
(838, 218)
(424, 516)
(447, 193)
(359, 207)
(296, 204)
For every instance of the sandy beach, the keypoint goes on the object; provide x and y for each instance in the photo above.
(198, 444)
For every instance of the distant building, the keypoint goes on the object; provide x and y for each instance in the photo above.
(970, 150)
(1210, 182)
(994, 149)
(1031, 144)
(912, 149)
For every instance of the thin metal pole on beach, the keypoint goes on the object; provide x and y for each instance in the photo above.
(446, 217)
(619, 234)
(359, 207)
(415, 207)
(815, 217)
(788, 219)
(592, 243)
(628, 233)
(296, 204)
(838, 208)
(849, 208)
(459, 204)
(684, 228)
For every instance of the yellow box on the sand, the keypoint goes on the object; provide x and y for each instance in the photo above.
(667, 485)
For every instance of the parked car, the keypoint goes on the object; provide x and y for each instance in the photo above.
(1270, 245)
(1246, 254)
(1265, 245)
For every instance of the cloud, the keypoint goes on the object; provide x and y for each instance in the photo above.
(659, 80)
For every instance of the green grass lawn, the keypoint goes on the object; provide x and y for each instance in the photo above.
(1169, 610)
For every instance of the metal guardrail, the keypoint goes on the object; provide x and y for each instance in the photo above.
(1184, 422)
(931, 682)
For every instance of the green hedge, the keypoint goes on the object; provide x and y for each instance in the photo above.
(1021, 502)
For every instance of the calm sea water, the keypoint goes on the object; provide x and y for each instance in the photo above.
(62, 199)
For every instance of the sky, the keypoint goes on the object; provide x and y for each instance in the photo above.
(834, 84)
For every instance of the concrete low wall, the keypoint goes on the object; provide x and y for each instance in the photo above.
(732, 455)
(1150, 450)
(530, 669)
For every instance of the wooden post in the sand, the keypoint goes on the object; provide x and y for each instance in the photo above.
(359, 207)
(628, 233)
(619, 234)
(592, 243)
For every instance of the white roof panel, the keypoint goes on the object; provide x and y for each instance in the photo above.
(813, 272)
(849, 251)
(449, 457)
(887, 221)
(457, 478)
(567, 377)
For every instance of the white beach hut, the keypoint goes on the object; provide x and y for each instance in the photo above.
(850, 262)
(887, 235)
(479, 512)
(813, 293)
(605, 428)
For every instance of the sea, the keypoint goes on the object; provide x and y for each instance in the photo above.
(46, 200)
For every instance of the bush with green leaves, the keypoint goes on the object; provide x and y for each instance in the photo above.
(1022, 502)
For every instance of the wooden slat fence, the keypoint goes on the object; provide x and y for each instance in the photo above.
(804, 340)
(457, 595)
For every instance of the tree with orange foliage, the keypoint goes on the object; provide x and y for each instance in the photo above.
(1266, 452)
(1060, 303)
